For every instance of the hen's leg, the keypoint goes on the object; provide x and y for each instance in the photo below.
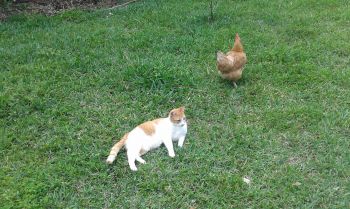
(234, 84)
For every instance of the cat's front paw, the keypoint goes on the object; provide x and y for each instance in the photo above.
(172, 155)
(181, 142)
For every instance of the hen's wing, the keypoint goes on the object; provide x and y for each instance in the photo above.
(224, 64)
(239, 59)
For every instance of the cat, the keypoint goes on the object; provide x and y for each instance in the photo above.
(150, 135)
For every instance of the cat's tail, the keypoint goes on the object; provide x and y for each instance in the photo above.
(115, 149)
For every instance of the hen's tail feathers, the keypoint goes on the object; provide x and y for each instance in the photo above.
(115, 149)
(237, 46)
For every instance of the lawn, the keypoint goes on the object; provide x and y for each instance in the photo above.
(72, 84)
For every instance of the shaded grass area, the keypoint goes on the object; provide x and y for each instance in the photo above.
(72, 84)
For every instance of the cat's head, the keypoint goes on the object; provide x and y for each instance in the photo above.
(177, 116)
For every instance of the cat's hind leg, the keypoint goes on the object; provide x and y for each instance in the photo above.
(131, 159)
(140, 160)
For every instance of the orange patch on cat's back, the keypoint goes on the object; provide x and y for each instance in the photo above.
(148, 127)
(157, 121)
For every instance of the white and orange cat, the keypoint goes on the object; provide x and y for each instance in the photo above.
(150, 135)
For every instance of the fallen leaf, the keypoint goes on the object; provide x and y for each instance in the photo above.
(246, 179)
(296, 183)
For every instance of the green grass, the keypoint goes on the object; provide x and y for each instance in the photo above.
(72, 84)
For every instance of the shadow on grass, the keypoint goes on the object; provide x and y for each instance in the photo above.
(229, 84)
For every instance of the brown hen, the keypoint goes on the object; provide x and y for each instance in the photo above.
(230, 66)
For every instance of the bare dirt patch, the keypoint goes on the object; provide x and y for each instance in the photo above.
(52, 7)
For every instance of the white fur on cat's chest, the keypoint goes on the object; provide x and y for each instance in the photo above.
(178, 132)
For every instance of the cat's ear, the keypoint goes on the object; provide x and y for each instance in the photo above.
(182, 109)
(172, 113)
